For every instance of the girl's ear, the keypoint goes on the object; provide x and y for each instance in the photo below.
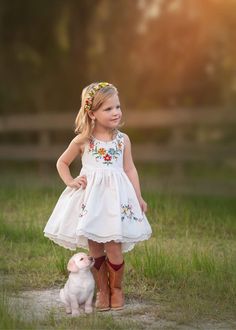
(91, 114)
(72, 266)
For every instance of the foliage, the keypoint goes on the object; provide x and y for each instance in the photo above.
(172, 52)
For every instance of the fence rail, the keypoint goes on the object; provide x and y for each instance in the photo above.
(150, 119)
(177, 149)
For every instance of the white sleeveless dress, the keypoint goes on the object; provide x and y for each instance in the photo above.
(107, 209)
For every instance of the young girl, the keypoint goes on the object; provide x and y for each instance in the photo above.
(102, 209)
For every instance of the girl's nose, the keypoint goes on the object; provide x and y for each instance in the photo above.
(117, 109)
(116, 112)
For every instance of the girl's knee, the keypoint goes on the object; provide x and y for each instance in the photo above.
(94, 243)
(96, 249)
(113, 250)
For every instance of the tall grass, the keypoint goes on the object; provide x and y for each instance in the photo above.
(193, 268)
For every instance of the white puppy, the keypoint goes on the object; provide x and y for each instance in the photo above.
(79, 287)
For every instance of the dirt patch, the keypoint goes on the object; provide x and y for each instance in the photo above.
(38, 305)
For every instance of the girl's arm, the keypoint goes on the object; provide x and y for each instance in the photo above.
(74, 149)
(132, 173)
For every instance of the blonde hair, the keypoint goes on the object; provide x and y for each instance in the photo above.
(83, 122)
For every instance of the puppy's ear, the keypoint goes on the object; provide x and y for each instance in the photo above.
(72, 266)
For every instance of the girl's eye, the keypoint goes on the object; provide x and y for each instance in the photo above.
(108, 109)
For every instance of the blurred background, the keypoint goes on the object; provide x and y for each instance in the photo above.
(173, 62)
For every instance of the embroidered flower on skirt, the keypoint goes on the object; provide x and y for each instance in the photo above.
(127, 213)
(83, 211)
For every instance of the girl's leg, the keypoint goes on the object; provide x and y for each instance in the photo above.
(100, 274)
(115, 265)
(96, 249)
(114, 253)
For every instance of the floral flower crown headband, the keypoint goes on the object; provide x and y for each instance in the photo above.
(89, 99)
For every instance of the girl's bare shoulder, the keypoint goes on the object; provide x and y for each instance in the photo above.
(78, 140)
(126, 138)
(79, 143)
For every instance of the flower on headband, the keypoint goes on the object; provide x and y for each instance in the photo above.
(89, 100)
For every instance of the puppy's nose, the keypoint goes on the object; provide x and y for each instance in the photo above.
(91, 258)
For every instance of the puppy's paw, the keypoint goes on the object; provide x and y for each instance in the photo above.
(68, 310)
(88, 309)
(75, 313)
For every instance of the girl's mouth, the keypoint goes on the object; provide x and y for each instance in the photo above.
(115, 119)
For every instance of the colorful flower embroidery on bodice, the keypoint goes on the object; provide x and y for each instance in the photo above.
(99, 153)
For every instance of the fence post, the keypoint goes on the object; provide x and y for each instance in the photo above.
(177, 139)
(44, 143)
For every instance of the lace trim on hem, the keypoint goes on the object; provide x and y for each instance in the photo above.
(116, 238)
(62, 243)
(73, 245)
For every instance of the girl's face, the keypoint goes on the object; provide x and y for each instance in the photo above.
(109, 114)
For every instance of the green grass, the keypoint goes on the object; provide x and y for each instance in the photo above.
(187, 267)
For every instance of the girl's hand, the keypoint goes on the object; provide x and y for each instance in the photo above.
(78, 182)
(143, 204)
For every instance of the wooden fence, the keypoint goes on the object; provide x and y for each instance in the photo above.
(208, 126)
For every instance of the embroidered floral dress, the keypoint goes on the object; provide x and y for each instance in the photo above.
(106, 210)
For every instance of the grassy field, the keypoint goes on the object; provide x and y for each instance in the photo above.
(187, 268)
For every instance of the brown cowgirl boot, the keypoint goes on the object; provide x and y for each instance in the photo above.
(115, 282)
(100, 274)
